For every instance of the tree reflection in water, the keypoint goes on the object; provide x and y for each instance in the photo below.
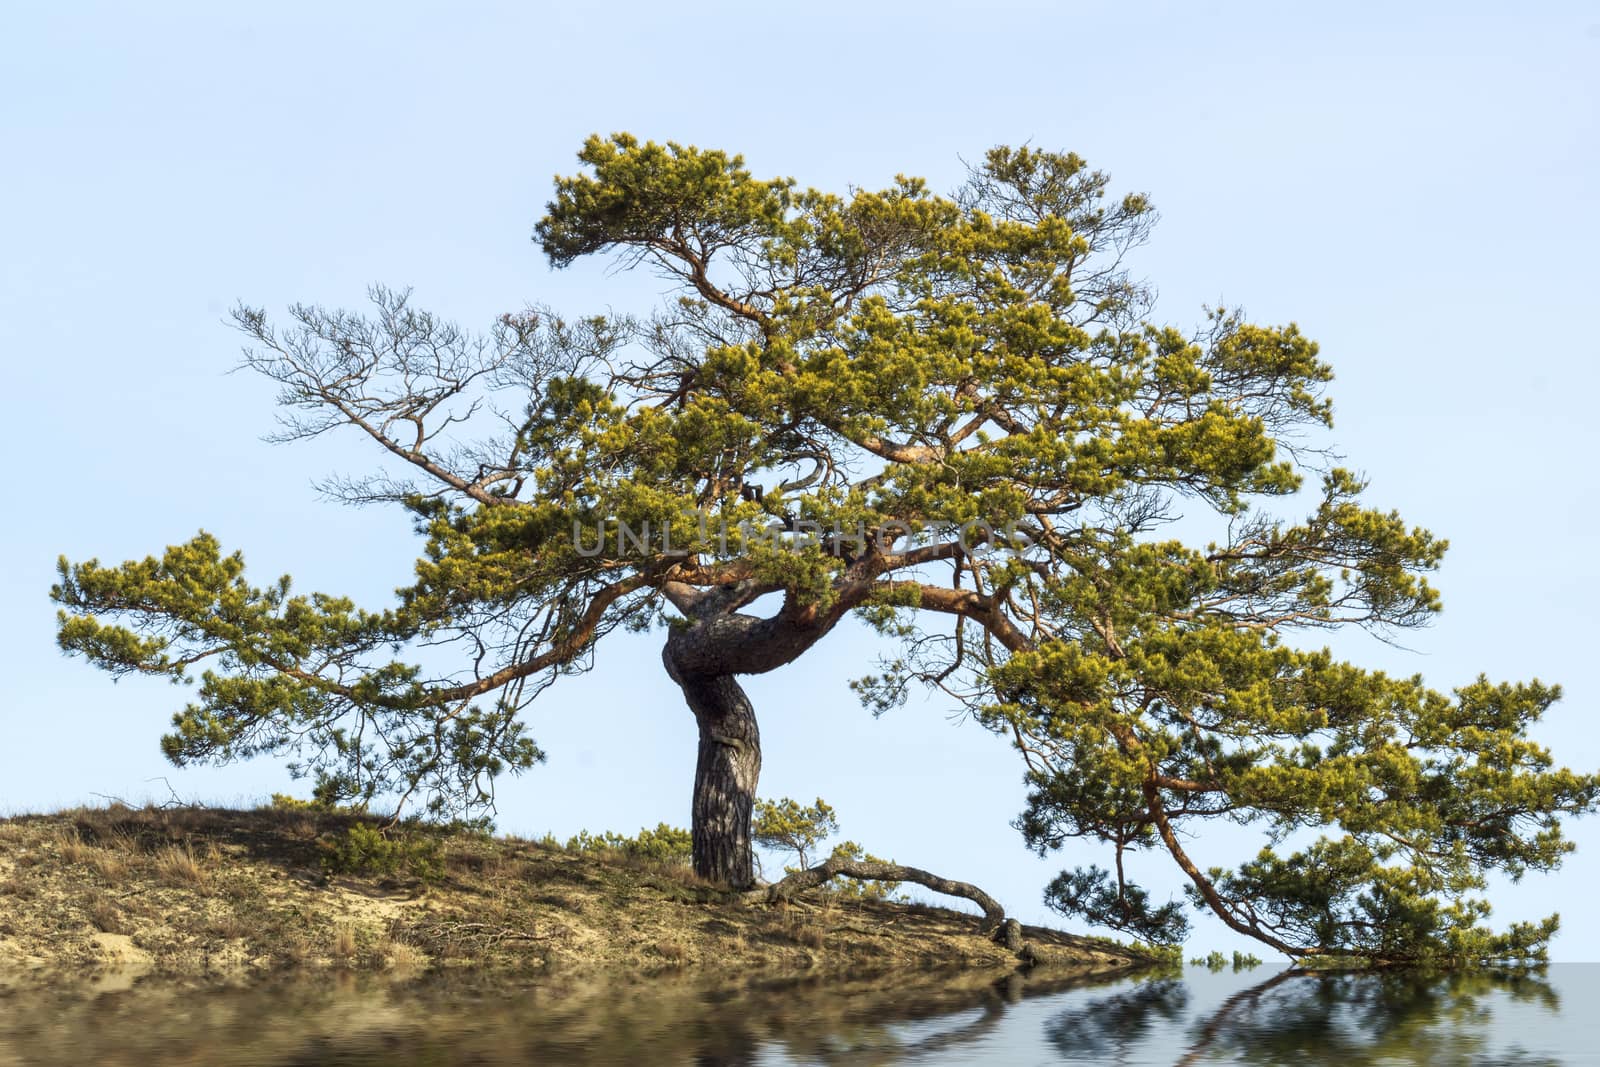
(1292, 1017)
(1352, 1019)
(456, 1019)
(1108, 1029)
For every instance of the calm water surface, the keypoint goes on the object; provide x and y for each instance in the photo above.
(1254, 1017)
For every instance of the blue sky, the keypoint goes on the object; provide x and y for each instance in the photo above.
(1418, 188)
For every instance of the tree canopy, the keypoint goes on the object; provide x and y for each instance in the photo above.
(952, 416)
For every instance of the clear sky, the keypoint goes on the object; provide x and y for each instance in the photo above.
(1418, 186)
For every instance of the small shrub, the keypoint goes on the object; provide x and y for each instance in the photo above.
(480, 826)
(1214, 961)
(665, 844)
(785, 825)
(287, 803)
(368, 850)
(1243, 961)
(1166, 955)
(584, 841)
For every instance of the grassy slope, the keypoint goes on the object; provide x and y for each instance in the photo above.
(194, 891)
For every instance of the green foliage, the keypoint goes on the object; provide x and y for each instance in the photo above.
(606, 841)
(285, 802)
(368, 850)
(894, 366)
(788, 826)
(862, 889)
(1167, 956)
(263, 696)
(1120, 906)
(478, 826)
(1431, 792)
(664, 844)
(1216, 961)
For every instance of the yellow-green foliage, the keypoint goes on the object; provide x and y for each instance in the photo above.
(664, 844)
(368, 850)
(899, 366)
(860, 888)
(787, 825)
(285, 802)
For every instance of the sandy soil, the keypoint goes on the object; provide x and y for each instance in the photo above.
(116, 894)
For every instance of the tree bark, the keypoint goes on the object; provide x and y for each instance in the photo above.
(703, 654)
(725, 775)
(876, 870)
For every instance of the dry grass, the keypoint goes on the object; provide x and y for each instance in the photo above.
(105, 915)
(106, 856)
(188, 879)
(72, 847)
(298, 950)
(399, 955)
(112, 866)
(672, 950)
(344, 941)
(810, 934)
(229, 927)
(18, 887)
(177, 865)
(120, 841)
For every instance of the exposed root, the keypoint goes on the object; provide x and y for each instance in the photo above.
(878, 871)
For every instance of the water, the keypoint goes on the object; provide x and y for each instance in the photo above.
(1198, 1017)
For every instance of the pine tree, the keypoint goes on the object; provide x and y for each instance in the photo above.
(952, 416)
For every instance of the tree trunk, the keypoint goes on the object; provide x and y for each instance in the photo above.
(725, 776)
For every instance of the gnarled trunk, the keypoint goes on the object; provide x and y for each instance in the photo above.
(703, 654)
(725, 775)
